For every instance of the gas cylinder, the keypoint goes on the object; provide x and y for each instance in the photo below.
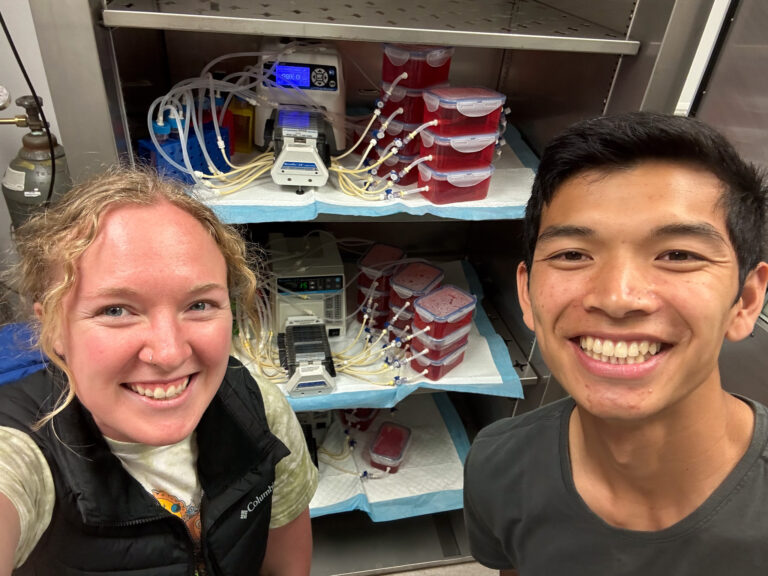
(27, 180)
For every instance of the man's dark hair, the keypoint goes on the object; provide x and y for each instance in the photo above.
(624, 140)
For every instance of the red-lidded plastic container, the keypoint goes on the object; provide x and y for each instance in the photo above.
(436, 369)
(387, 450)
(358, 418)
(425, 65)
(413, 281)
(463, 110)
(411, 100)
(444, 310)
(379, 299)
(378, 264)
(404, 317)
(439, 349)
(395, 164)
(455, 186)
(397, 129)
(451, 153)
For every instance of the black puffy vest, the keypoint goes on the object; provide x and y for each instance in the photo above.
(104, 522)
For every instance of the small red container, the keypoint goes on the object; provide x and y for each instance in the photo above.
(411, 100)
(463, 110)
(436, 369)
(358, 418)
(378, 299)
(413, 281)
(456, 186)
(451, 153)
(396, 164)
(378, 265)
(398, 129)
(404, 317)
(425, 65)
(388, 448)
(443, 311)
(439, 349)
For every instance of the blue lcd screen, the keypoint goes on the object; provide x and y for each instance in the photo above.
(292, 75)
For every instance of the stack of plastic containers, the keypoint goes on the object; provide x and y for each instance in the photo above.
(409, 283)
(462, 144)
(441, 322)
(425, 66)
(376, 267)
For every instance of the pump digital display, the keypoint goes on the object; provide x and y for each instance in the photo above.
(292, 75)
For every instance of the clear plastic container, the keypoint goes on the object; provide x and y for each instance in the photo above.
(425, 65)
(358, 418)
(411, 100)
(398, 129)
(455, 186)
(443, 311)
(451, 153)
(437, 349)
(378, 265)
(388, 448)
(463, 110)
(376, 320)
(404, 317)
(413, 281)
(436, 369)
(378, 299)
(395, 164)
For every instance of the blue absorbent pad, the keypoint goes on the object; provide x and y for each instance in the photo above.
(18, 358)
(172, 147)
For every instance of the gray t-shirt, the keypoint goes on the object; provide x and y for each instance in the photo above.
(522, 510)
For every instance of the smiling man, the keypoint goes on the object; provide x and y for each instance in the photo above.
(644, 238)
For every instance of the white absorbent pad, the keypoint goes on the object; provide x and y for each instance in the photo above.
(429, 479)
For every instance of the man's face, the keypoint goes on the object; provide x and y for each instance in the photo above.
(147, 326)
(632, 288)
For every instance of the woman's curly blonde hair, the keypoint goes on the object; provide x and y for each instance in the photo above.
(50, 243)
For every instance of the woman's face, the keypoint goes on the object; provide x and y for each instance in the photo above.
(147, 327)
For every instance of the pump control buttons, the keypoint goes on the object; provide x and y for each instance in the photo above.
(319, 77)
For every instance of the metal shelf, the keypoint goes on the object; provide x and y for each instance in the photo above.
(509, 24)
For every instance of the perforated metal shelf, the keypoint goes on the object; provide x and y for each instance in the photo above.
(518, 24)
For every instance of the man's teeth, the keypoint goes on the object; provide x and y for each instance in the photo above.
(619, 352)
(159, 393)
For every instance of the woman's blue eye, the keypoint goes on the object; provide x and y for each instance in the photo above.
(199, 306)
(113, 311)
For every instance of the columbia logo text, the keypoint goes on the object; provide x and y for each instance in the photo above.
(253, 504)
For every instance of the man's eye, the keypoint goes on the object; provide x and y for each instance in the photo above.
(679, 256)
(570, 255)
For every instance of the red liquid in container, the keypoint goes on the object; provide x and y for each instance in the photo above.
(396, 164)
(439, 349)
(411, 100)
(425, 65)
(463, 110)
(400, 130)
(451, 153)
(443, 311)
(413, 281)
(378, 265)
(436, 369)
(455, 186)
(388, 448)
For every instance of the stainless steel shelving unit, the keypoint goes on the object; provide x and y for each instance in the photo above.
(509, 24)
